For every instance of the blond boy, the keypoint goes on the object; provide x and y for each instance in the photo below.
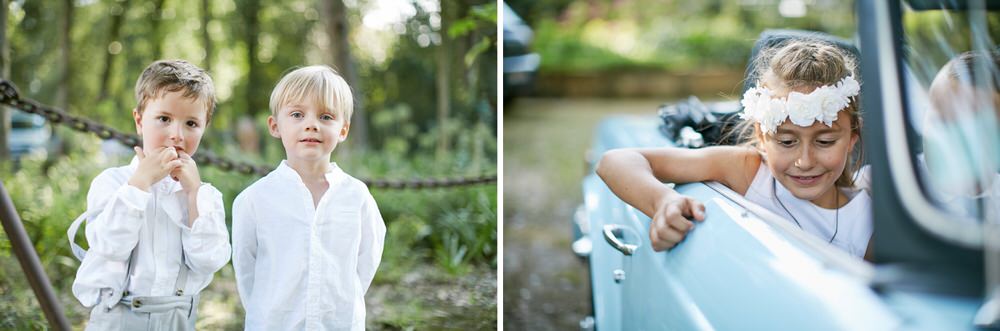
(307, 238)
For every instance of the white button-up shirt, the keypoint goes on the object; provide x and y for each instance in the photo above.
(154, 224)
(300, 266)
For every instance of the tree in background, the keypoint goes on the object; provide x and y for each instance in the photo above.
(84, 56)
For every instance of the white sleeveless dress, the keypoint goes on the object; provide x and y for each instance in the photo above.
(853, 226)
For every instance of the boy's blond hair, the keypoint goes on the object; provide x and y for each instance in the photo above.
(320, 82)
(173, 76)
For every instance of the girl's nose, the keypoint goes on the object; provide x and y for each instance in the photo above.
(805, 159)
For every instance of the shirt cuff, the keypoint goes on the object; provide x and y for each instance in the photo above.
(209, 202)
(135, 199)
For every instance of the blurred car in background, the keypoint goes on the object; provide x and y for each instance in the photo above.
(520, 65)
(745, 268)
(30, 136)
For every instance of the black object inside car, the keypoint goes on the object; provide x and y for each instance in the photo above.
(710, 122)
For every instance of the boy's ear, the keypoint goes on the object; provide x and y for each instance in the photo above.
(272, 127)
(138, 121)
(344, 130)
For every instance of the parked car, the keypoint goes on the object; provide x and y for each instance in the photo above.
(745, 268)
(520, 65)
(29, 135)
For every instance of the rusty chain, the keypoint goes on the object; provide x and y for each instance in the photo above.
(9, 96)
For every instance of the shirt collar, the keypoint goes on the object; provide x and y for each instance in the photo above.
(332, 175)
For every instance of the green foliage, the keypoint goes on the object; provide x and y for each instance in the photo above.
(454, 228)
(48, 196)
(670, 36)
(249, 45)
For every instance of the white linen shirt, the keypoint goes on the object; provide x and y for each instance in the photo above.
(300, 266)
(154, 224)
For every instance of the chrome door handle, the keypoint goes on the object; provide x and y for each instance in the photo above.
(616, 233)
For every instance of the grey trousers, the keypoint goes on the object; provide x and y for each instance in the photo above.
(146, 313)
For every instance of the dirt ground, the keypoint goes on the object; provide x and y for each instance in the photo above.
(546, 287)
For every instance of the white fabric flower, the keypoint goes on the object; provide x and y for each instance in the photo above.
(822, 104)
(802, 109)
(773, 115)
(830, 102)
(849, 87)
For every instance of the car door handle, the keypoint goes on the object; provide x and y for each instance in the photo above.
(617, 235)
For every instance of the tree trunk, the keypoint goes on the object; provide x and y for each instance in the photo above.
(65, 42)
(158, 29)
(250, 10)
(117, 18)
(5, 71)
(337, 30)
(443, 77)
(206, 18)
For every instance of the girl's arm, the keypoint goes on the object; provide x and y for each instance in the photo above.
(637, 175)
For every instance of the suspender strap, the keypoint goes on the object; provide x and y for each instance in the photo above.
(182, 275)
(128, 273)
(78, 251)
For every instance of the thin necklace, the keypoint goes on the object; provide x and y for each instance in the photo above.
(836, 220)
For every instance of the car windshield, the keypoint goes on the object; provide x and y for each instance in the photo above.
(20, 120)
(953, 104)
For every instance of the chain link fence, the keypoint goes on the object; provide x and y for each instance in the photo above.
(9, 96)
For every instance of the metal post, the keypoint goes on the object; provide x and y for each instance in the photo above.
(30, 263)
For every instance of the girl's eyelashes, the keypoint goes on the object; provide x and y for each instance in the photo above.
(826, 142)
(192, 124)
(786, 143)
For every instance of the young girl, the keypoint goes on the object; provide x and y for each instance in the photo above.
(802, 123)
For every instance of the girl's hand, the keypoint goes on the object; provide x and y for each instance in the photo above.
(187, 173)
(153, 167)
(671, 221)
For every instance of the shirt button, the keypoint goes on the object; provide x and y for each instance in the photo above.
(137, 303)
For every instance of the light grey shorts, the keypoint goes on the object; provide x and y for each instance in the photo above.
(146, 313)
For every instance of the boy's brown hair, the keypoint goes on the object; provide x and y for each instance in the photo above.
(175, 76)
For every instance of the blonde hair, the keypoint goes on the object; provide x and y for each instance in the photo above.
(172, 76)
(965, 69)
(320, 82)
(807, 63)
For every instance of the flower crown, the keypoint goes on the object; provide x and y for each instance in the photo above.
(822, 104)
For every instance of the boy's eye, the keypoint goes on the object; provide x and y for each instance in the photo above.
(163, 119)
(192, 124)
(296, 114)
(326, 117)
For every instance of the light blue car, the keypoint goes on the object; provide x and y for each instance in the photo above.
(745, 268)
